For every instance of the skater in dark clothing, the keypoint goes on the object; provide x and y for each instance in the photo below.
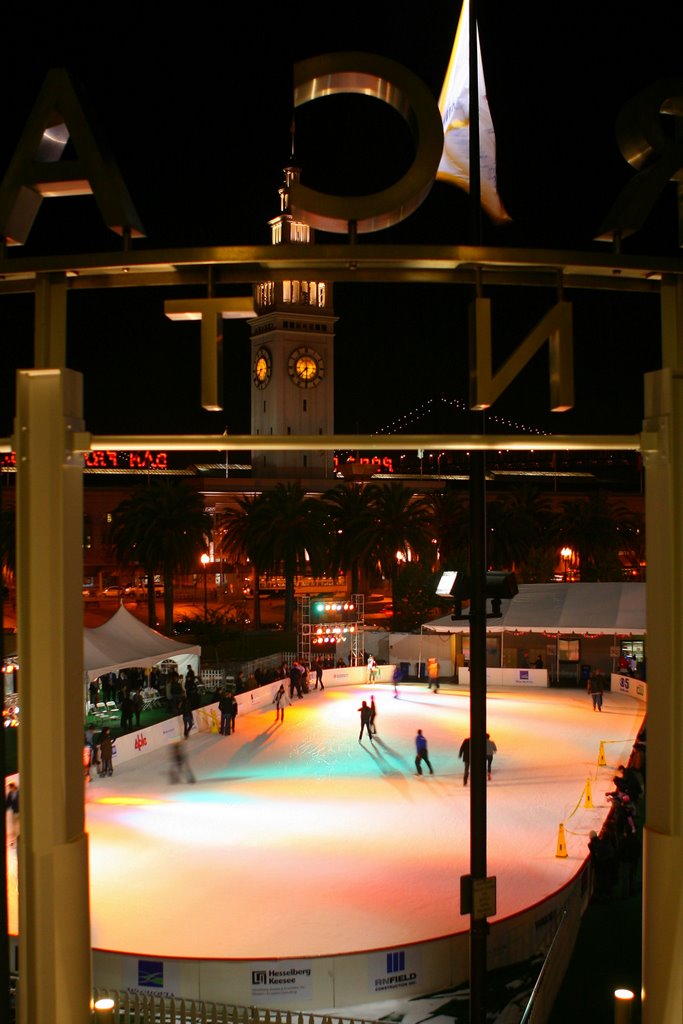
(318, 674)
(224, 708)
(180, 766)
(188, 717)
(234, 708)
(365, 718)
(106, 751)
(595, 688)
(422, 753)
(491, 749)
(464, 753)
(373, 716)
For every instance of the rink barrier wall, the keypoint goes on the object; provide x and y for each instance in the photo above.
(636, 688)
(531, 677)
(315, 983)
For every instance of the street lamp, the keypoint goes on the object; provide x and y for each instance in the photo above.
(566, 555)
(205, 561)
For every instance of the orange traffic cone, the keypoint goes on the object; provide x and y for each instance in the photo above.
(561, 844)
(588, 802)
(601, 756)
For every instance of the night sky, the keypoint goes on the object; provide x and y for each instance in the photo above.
(197, 107)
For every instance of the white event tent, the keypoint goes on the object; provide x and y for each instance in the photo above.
(566, 608)
(126, 642)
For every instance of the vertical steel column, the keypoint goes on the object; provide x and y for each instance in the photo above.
(50, 320)
(54, 919)
(478, 925)
(663, 835)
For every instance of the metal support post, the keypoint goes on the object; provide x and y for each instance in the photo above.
(478, 925)
(663, 833)
(54, 912)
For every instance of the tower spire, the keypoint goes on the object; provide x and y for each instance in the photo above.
(285, 228)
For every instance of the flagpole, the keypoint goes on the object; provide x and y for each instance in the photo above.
(475, 153)
(477, 487)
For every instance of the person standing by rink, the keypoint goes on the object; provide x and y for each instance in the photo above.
(491, 749)
(595, 688)
(279, 700)
(422, 753)
(464, 753)
(372, 668)
(365, 714)
(234, 708)
(224, 708)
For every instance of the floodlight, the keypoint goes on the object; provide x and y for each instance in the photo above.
(499, 586)
(444, 587)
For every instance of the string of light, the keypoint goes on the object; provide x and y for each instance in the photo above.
(427, 408)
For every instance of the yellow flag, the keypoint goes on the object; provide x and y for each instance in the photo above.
(454, 105)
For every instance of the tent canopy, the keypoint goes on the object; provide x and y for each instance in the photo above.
(614, 608)
(125, 642)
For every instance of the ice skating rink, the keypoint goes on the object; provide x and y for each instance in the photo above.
(296, 840)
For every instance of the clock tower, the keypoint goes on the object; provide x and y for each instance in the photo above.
(292, 353)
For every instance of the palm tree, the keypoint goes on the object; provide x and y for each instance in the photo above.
(449, 519)
(632, 533)
(241, 530)
(350, 512)
(590, 526)
(293, 536)
(400, 528)
(162, 528)
(517, 534)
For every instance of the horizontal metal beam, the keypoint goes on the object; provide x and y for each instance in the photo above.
(356, 442)
(438, 264)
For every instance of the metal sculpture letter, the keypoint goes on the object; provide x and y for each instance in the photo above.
(370, 75)
(657, 155)
(556, 327)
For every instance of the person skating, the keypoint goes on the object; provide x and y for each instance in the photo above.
(491, 749)
(279, 700)
(373, 716)
(365, 716)
(12, 812)
(180, 766)
(188, 717)
(595, 688)
(422, 753)
(106, 751)
(464, 753)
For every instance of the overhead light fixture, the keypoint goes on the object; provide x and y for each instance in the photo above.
(500, 586)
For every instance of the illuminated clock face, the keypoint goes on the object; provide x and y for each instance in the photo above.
(306, 367)
(262, 367)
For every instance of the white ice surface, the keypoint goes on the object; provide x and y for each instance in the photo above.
(297, 840)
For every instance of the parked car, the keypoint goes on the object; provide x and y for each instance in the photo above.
(184, 626)
(117, 591)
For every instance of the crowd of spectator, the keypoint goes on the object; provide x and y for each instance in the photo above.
(617, 850)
